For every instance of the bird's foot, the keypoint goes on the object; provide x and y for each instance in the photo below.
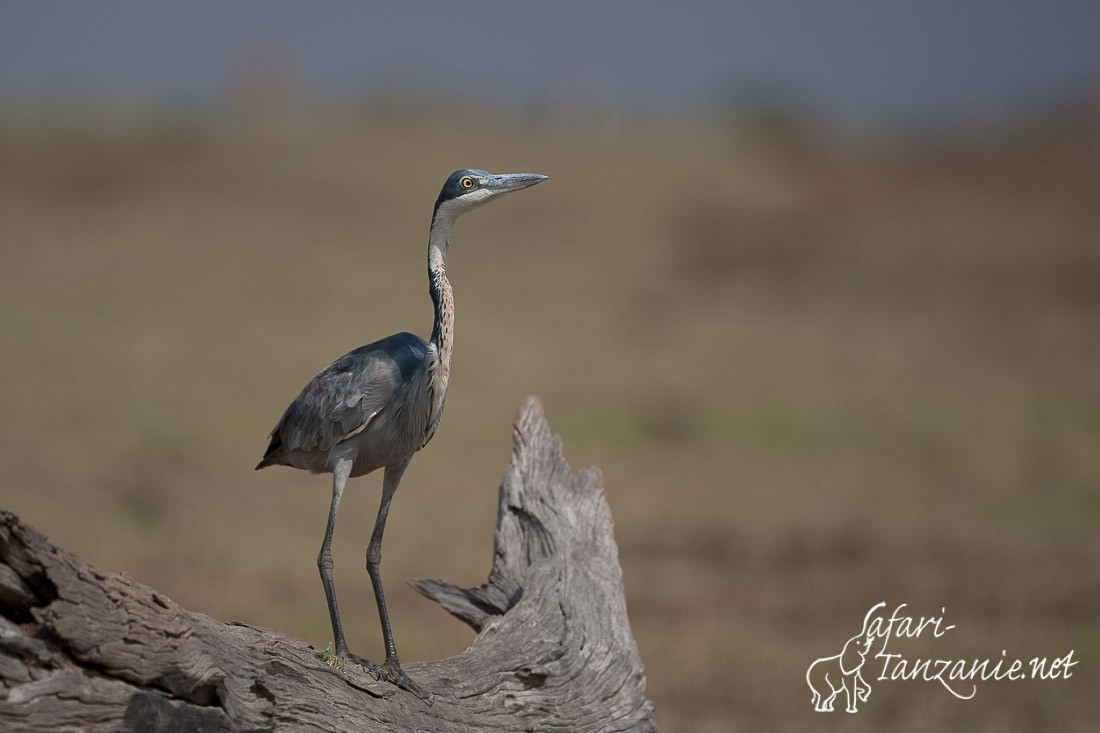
(391, 671)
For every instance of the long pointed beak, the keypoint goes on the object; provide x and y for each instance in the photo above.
(513, 181)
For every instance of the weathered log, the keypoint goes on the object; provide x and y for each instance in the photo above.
(82, 649)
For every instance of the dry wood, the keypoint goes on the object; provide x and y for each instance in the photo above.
(82, 649)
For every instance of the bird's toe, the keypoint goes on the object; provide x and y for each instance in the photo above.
(392, 672)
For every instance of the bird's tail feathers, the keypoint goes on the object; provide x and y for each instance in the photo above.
(267, 461)
(271, 455)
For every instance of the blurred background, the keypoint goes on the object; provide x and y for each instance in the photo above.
(817, 286)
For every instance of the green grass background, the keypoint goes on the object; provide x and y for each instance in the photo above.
(815, 376)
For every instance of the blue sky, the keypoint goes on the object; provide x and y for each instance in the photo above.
(879, 60)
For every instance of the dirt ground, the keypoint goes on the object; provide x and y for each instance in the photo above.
(815, 376)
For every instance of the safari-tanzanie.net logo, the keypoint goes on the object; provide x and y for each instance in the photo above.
(845, 675)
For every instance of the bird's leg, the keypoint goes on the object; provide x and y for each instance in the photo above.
(324, 559)
(374, 556)
(390, 670)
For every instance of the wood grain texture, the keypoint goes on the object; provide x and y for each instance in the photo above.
(81, 649)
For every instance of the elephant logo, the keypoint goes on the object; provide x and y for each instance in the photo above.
(829, 676)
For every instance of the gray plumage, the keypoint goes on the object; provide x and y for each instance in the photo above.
(377, 386)
(378, 405)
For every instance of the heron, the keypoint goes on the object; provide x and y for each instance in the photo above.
(376, 406)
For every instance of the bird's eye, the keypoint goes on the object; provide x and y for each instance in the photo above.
(466, 182)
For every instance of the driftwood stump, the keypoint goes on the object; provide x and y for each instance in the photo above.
(82, 649)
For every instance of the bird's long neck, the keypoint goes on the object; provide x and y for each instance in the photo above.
(440, 289)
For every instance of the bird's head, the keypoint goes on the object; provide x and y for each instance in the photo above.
(469, 188)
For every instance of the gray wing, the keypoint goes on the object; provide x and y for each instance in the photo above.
(342, 398)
